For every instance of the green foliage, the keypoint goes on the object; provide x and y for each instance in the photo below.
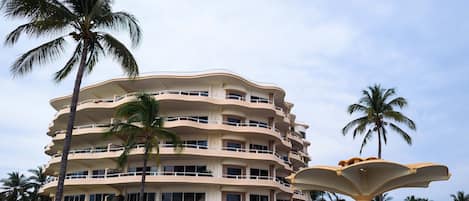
(378, 109)
(15, 187)
(384, 197)
(413, 198)
(85, 22)
(142, 125)
(460, 196)
(320, 196)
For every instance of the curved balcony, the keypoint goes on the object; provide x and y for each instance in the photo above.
(296, 139)
(299, 195)
(187, 96)
(168, 150)
(169, 177)
(296, 159)
(173, 122)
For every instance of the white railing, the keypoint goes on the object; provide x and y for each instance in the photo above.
(198, 120)
(253, 177)
(127, 174)
(157, 93)
(164, 173)
(235, 97)
(257, 151)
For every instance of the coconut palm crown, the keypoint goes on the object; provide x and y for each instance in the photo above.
(378, 109)
(144, 126)
(85, 23)
(15, 187)
(460, 196)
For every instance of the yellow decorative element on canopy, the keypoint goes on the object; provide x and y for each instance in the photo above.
(363, 179)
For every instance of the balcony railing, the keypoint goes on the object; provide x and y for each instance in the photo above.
(174, 92)
(115, 148)
(185, 118)
(175, 174)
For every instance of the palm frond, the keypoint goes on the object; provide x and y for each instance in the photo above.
(36, 28)
(400, 118)
(355, 122)
(36, 9)
(71, 63)
(39, 55)
(121, 54)
(399, 101)
(121, 21)
(357, 108)
(366, 139)
(402, 133)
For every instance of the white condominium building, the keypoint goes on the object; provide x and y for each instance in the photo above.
(240, 142)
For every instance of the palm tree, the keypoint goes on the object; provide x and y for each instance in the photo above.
(383, 197)
(413, 198)
(15, 187)
(142, 126)
(378, 114)
(84, 22)
(317, 195)
(460, 196)
(37, 179)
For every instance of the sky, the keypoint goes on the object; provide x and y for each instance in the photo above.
(322, 52)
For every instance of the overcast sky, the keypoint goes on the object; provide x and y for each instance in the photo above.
(322, 52)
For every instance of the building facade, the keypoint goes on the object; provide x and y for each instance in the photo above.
(240, 142)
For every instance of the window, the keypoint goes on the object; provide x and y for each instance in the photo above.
(74, 197)
(98, 174)
(256, 99)
(139, 170)
(232, 121)
(233, 146)
(136, 197)
(234, 95)
(77, 175)
(188, 170)
(233, 197)
(101, 197)
(233, 172)
(200, 144)
(182, 196)
(259, 173)
(258, 197)
(259, 148)
(258, 124)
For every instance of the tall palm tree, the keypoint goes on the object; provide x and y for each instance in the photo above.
(83, 22)
(460, 196)
(15, 187)
(142, 125)
(377, 106)
(37, 179)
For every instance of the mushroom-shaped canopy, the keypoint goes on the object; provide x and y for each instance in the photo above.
(362, 179)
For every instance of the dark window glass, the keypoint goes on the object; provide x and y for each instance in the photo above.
(233, 197)
(200, 197)
(233, 121)
(177, 197)
(189, 196)
(233, 146)
(264, 198)
(166, 196)
(234, 171)
(82, 197)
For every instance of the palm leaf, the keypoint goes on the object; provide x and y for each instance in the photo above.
(402, 133)
(39, 55)
(121, 54)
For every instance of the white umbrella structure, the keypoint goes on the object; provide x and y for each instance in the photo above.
(363, 179)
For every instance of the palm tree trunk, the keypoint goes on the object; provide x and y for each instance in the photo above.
(144, 174)
(379, 142)
(70, 124)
